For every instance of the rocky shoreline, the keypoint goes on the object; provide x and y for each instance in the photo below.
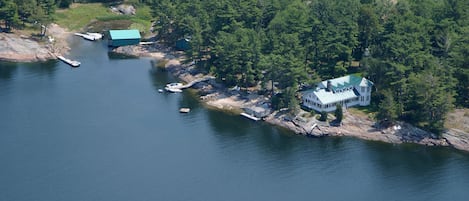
(20, 48)
(215, 95)
(219, 97)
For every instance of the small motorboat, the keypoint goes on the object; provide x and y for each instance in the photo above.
(174, 90)
(174, 85)
(184, 110)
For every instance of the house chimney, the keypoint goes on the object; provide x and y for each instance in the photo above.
(329, 86)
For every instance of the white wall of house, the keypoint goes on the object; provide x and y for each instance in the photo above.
(365, 95)
(312, 102)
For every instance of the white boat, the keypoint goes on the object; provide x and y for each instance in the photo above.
(69, 62)
(90, 36)
(184, 110)
(174, 85)
(96, 36)
(174, 90)
(160, 90)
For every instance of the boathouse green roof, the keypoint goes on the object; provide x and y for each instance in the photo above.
(124, 34)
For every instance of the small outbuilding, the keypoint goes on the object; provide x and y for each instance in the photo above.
(124, 37)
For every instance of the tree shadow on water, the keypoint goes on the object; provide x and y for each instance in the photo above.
(7, 70)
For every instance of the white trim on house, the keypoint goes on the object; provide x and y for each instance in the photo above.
(348, 91)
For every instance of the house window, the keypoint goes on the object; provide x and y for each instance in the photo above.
(368, 89)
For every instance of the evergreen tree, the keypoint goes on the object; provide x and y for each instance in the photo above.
(387, 114)
(339, 114)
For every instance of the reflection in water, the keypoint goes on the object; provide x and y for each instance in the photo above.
(410, 159)
(159, 77)
(113, 55)
(7, 70)
(47, 68)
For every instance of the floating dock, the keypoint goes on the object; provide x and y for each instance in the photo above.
(69, 62)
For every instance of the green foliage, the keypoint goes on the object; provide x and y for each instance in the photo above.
(387, 113)
(339, 114)
(416, 51)
(323, 116)
(64, 3)
(8, 13)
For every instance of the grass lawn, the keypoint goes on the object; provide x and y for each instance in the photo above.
(459, 119)
(364, 111)
(99, 16)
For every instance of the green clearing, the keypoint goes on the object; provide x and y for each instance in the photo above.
(363, 111)
(80, 16)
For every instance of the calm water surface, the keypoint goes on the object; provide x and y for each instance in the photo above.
(103, 132)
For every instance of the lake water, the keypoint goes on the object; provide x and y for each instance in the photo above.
(103, 132)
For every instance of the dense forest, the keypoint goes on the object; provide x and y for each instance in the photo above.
(415, 51)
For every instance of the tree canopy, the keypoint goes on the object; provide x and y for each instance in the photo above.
(415, 51)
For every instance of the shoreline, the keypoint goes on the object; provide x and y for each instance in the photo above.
(216, 96)
(16, 47)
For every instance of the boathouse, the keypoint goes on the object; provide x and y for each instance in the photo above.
(124, 37)
(348, 91)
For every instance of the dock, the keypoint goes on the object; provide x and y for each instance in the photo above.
(190, 84)
(250, 116)
(69, 61)
(90, 36)
(146, 43)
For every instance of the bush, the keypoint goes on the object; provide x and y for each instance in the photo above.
(65, 3)
(338, 113)
(323, 116)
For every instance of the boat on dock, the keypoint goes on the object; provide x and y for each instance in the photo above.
(174, 90)
(90, 36)
(70, 62)
(174, 87)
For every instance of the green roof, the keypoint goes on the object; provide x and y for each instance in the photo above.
(346, 82)
(124, 34)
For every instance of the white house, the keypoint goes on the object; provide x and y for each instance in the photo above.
(347, 91)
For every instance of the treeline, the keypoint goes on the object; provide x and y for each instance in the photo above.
(15, 13)
(415, 51)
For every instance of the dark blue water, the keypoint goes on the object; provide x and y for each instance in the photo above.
(103, 132)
